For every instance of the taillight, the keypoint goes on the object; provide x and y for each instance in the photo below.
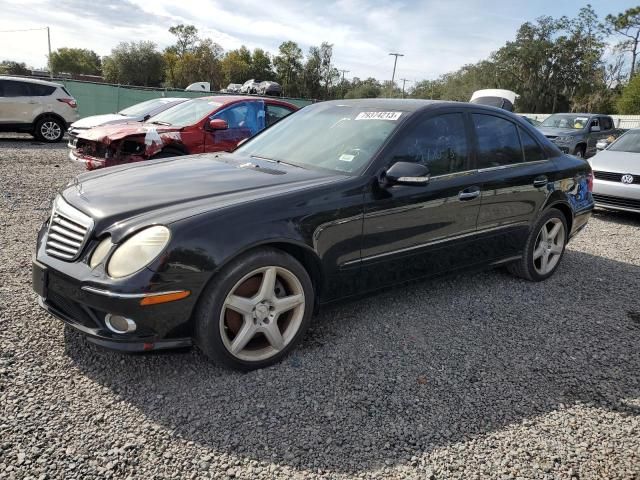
(590, 182)
(69, 101)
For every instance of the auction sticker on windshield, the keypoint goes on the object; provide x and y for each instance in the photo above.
(379, 116)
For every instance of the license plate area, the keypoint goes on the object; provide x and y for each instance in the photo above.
(39, 277)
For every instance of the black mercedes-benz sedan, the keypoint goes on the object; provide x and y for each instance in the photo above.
(233, 252)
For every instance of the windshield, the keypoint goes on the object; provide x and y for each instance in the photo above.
(141, 109)
(340, 138)
(629, 142)
(187, 113)
(575, 122)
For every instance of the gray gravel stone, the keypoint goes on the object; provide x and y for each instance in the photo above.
(477, 376)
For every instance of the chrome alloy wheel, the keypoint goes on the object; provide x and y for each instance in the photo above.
(51, 130)
(262, 313)
(548, 247)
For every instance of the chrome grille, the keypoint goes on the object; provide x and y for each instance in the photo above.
(68, 232)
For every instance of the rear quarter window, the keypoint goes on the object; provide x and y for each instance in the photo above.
(41, 90)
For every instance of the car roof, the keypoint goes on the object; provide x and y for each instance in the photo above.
(30, 80)
(228, 99)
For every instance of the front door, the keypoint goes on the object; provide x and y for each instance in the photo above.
(244, 120)
(515, 177)
(413, 231)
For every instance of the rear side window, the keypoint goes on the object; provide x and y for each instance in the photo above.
(532, 151)
(498, 141)
(606, 122)
(439, 143)
(275, 113)
(41, 90)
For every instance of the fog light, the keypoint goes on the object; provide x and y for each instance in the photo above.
(119, 324)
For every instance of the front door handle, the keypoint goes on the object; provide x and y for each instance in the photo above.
(469, 193)
(540, 181)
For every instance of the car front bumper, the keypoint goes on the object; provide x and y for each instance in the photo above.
(91, 163)
(616, 195)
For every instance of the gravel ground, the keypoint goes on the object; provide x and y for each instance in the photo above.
(478, 376)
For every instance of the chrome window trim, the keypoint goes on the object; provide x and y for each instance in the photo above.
(512, 165)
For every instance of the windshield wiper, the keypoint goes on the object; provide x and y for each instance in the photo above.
(158, 122)
(272, 160)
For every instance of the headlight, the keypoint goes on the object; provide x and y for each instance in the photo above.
(564, 139)
(100, 252)
(138, 252)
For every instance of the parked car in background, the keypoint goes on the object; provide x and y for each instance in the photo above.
(578, 133)
(205, 124)
(232, 88)
(234, 251)
(532, 121)
(43, 109)
(135, 113)
(269, 88)
(250, 86)
(616, 173)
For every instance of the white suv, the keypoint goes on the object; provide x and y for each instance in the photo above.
(43, 109)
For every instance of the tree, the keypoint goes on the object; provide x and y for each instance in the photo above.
(75, 60)
(192, 59)
(261, 68)
(236, 66)
(134, 63)
(9, 67)
(626, 24)
(369, 88)
(288, 65)
(629, 101)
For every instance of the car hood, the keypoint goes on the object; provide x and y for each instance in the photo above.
(110, 133)
(123, 198)
(617, 162)
(557, 132)
(95, 120)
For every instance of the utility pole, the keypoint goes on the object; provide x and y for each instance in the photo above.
(404, 80)
(49, 59)
(393, 76)
(342, 84)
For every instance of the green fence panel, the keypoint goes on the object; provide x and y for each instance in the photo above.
(99, 98)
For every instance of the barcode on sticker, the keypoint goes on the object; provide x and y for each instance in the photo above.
(378, 116)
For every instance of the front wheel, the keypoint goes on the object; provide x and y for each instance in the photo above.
(580, 151)
(544, 248)
(255, 311)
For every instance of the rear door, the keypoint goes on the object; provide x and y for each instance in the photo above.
(18, 105)
(515, 178)
(416, 230)
(244, 120)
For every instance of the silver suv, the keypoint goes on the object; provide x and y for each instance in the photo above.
(43, 109)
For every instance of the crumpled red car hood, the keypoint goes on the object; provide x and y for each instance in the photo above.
(109, 133)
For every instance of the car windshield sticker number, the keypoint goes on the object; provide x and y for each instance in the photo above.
(379, 116)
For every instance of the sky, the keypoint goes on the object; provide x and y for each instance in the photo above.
(435, 37)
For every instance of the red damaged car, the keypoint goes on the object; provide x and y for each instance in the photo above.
(206, 124)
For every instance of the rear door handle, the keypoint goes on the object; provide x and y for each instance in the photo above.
(540, 181)
(469, 193)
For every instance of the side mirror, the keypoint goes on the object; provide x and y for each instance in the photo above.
(594, 128)
(407, 173)
(218, 124)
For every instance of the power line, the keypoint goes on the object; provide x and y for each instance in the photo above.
(23, 30)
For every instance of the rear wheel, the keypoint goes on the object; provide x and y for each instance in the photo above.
(255, 311)
(544, 248)
(49, 130)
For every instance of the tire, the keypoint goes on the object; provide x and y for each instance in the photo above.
(532, 265)
(580, 151)
(49, 130)
(272, 296)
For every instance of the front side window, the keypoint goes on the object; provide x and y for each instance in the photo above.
(498, 141)
(247, 116)
(327, 136)
(439, 143)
